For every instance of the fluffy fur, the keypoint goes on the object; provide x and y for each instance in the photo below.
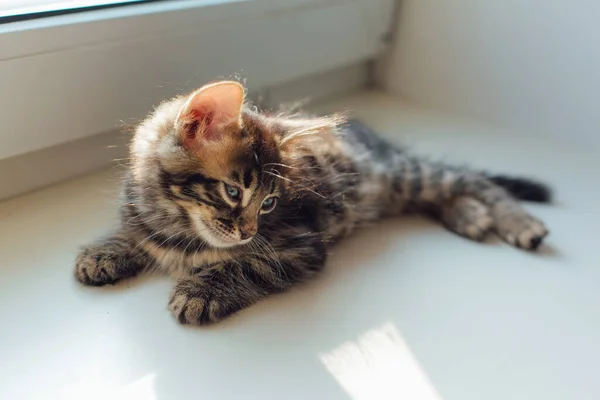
(237, 204)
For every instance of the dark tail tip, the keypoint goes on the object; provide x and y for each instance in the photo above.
(524, 189)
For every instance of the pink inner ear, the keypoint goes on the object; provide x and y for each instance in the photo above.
(208, 110)
(204, 116)
(199, 124)
(210, 130)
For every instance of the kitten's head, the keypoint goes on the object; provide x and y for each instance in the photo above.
(211, 163)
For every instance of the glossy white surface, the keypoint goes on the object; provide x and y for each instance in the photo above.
(405, 309)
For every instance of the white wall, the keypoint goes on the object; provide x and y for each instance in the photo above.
(533, 65)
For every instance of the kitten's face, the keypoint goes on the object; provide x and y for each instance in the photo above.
(221, 166)
(225, 206)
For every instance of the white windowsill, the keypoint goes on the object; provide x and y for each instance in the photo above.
(404, 310)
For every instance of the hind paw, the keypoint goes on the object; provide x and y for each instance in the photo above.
(523, 231)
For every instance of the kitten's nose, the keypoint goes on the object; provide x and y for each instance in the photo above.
(246, 234)
(247, 231)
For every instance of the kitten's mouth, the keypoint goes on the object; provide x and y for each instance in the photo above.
(235, 242)
(225, 240)
(215, 237)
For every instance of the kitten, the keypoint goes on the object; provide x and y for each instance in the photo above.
(238, 205)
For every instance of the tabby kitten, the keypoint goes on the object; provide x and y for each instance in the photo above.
(238, 205)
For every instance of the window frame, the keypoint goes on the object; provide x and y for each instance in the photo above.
(78, 75)
(11, 18)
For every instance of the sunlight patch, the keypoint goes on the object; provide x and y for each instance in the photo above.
(379, 366)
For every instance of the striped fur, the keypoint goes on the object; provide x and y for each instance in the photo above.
(328, 178)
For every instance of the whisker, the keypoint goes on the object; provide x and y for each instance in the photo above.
(294, 183)
(280, 165)
(269, 248)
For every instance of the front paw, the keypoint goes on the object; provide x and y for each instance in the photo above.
(196, 302)
(98, 266)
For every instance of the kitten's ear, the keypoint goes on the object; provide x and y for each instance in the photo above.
(209, 112)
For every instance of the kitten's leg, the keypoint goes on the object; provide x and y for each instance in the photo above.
(510, 220)
(422, 183)
(467, 217)
(227, 288)
(107, 261)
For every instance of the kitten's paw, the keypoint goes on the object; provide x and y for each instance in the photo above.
(522, 230)
(197, 303)
(468, 217)
(98, 266)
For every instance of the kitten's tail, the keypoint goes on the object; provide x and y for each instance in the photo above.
(523, 188)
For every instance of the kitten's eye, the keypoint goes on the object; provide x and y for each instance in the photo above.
(233, 192)
(269, 204)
